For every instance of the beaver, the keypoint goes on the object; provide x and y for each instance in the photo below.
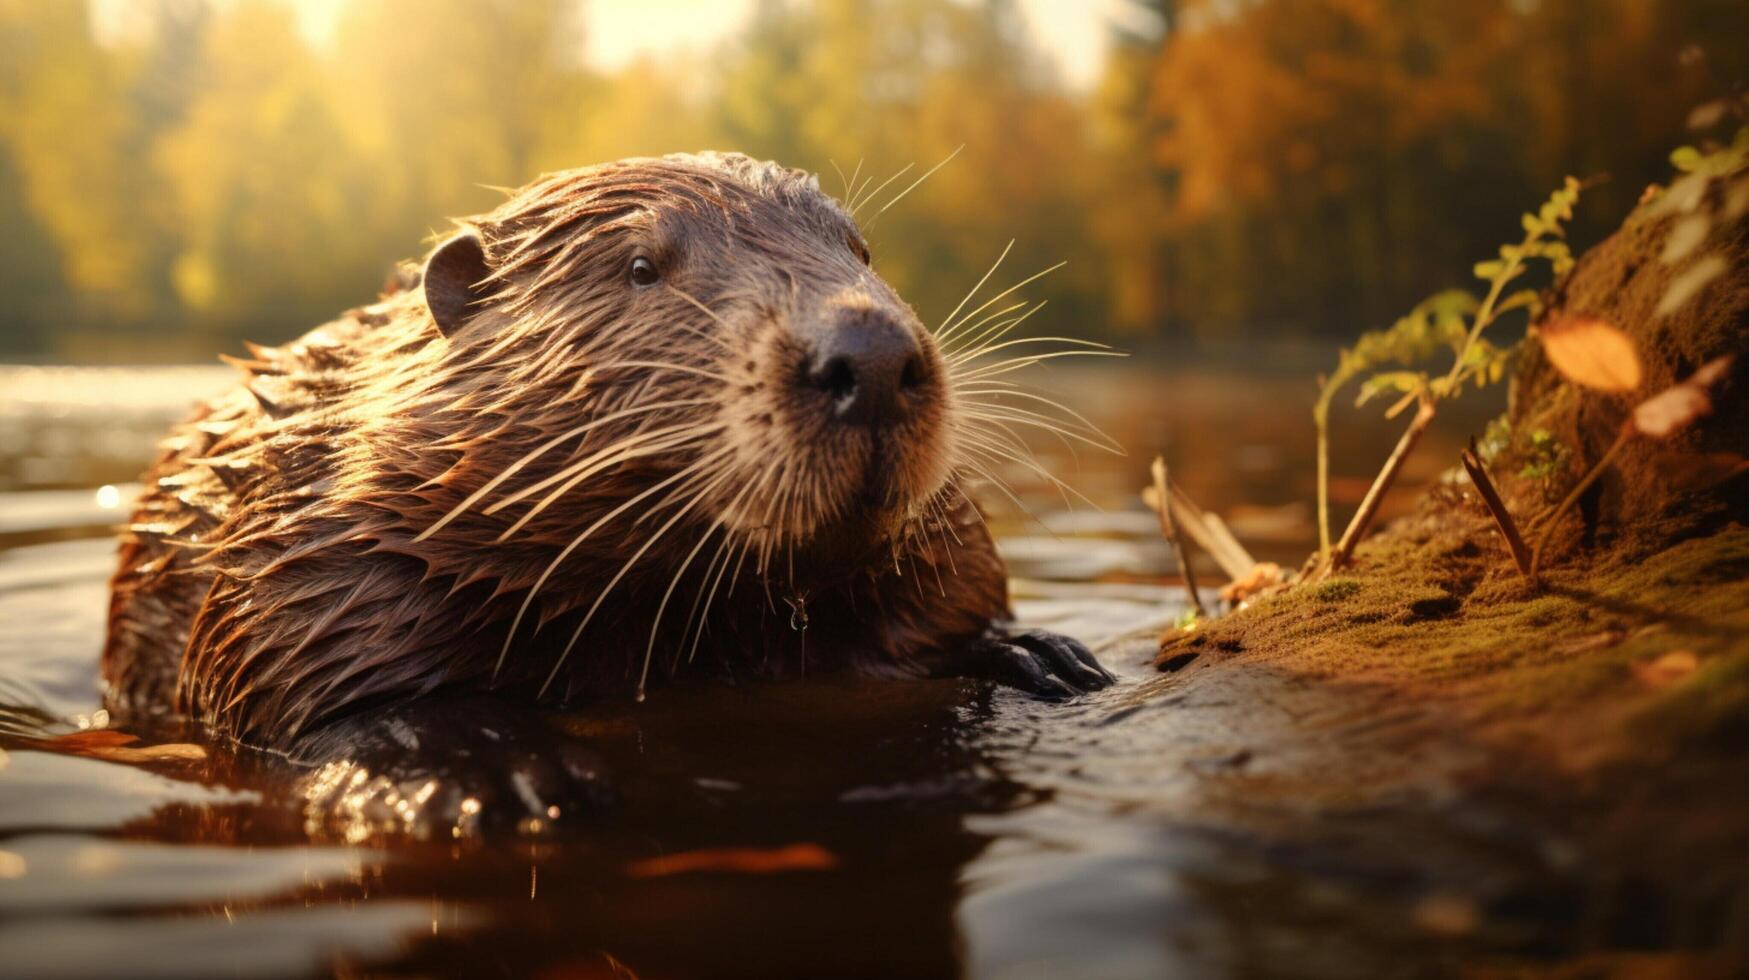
(650, 420)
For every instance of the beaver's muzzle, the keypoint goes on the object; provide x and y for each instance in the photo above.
(870, 366)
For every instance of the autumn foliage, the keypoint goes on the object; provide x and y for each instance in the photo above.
(215, 171)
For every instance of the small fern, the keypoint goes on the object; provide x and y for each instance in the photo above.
(1453, 320)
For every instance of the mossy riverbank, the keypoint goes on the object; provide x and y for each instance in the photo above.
(1610, 700)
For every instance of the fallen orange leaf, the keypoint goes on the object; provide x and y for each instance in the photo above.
(740, 860)
(96, 738)
(114, 746)
(1589, 352)
(168, 752)
(1678, 406)
(1666, 669)
(1263, 575)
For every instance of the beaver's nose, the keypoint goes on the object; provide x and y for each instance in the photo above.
(867, 362)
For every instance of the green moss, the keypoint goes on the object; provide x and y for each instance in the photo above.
(1447, 621)
(1336, 590)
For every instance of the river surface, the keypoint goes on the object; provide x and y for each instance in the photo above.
(931, 828)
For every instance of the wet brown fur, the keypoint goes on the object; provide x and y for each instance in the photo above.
(274, 576)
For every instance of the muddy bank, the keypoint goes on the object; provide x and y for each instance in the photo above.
(1598, 721)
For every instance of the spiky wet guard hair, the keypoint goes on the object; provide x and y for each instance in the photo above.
(282, 568)
(443, 489)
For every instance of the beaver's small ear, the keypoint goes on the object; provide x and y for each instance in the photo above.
(455, 281)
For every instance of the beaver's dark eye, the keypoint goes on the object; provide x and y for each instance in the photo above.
(857, 248)
(644, 272)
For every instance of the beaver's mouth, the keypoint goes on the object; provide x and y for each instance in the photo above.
(881, 489)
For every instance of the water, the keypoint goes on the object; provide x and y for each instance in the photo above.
(1150, 829)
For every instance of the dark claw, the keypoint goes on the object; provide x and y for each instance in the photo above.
(1068, 658)
(1043, 664)
(1024, 669)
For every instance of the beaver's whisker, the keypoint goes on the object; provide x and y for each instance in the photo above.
(723, 556)
(542, 449)
(997, 400)
(1002, 389)
(695, 619)
(1021, 416)
(1018, 454)
(921, 529)
(984, 371)
(1061, 435)
(914, 184)
(626, 567)
(702, 484)
(682, 368)
(631, 447)
(940, 506)
(661, 607)
(1072, 423)
(858, 192)
(850, 185)
(986, 338)
(704, 581)
(767, 520)
(973, 451)
(864, 199)
(994, 481)
(577, 541)
(1014, 440)
(703, 335)
(971, 355)
(1006, 292)
(762, 531)
(959, 344)
(707, 311)
(945, 330)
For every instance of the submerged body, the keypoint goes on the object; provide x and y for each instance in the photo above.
(644, 420)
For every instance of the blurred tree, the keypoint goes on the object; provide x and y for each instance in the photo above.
(1131, 226)
(864, 90)
(72, 126)
(1241, 169)
(1352, 153)
(275, 210)
(445, 97)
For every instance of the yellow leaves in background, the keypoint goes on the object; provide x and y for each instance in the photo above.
(222, 171)
(1240, 170)
(1688, 283)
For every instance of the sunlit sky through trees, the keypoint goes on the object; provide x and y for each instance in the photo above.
(1073, 33)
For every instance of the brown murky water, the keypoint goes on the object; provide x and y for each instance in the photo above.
(965, 831)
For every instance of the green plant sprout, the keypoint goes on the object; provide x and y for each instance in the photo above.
(1719, 161)
(1544, 456)
(1454, 319)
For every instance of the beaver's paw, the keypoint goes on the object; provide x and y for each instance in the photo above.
(447, 769)
(1043, 663)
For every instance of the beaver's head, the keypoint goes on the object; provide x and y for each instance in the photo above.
(712, 325)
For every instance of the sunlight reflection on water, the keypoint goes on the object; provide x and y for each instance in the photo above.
(1033, 840)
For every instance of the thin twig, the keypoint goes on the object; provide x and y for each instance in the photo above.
(1554, 519)
(1375, 495)
(1497, 507)
(1169, 531)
